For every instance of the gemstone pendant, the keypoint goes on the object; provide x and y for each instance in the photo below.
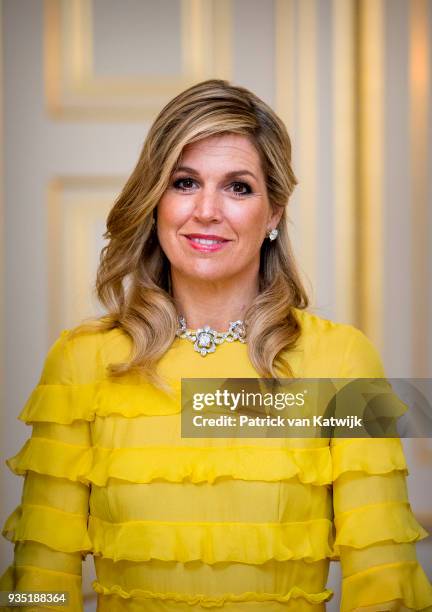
(206, 339)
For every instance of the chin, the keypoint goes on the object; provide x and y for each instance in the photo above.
(204, 273)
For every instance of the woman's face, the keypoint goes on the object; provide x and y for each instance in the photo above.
(213, 217)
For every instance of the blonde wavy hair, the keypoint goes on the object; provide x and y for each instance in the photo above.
(133, 277)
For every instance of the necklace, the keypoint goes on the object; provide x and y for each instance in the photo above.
(206, 339)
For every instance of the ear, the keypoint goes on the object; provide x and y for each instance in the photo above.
(275, 216)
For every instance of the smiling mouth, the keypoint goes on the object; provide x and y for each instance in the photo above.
(205, 240)
(206, 244)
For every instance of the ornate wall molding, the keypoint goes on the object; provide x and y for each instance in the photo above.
(73, 90)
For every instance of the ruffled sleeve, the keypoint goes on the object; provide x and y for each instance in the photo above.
(49, 527)
(376, 529)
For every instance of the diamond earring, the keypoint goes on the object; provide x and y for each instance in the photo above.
(272, 235)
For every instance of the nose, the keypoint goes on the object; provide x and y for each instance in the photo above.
(208, 206)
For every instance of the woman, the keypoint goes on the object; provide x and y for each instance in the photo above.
(198, 237)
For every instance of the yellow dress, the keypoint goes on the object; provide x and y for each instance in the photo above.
(178, 524)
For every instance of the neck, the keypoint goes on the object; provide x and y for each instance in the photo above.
(212, 303)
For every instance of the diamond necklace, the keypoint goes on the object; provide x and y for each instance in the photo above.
(205, 338)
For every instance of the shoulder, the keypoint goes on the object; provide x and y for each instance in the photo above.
(318, 329)
(338, 349)
(80, 357)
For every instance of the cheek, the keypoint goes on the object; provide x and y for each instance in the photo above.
(170, 212)
(250, 223)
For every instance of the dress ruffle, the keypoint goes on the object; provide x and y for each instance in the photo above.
(377, 523)
(7, 579)
(253, 543)
(59, 403)
(214, 602)
(33, 578)
(63, 531)
(405, 581)
(65, 403)
(178, 464)
(171, 463)
(372, 456)
(53, 458)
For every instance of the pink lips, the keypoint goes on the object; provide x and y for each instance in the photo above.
(206, 248)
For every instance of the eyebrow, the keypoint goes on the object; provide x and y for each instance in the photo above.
(228, 175)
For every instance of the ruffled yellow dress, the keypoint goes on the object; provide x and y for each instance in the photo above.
(178, 524)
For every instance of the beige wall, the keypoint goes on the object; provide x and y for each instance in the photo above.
(83, 80)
